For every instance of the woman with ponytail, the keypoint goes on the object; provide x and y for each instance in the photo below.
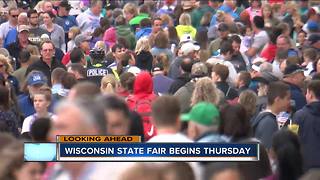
(287, 157)
(108, 84)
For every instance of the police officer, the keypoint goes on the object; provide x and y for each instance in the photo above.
(96, 69)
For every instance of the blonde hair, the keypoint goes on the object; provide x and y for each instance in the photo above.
(295, 13)
(108, 84)
(75, 31)
(205, 91)
(248, 99)
(142, 45)
(185, 19)
(39, 6)
(130, 8)
(6, 63)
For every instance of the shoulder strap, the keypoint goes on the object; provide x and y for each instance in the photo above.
(228, 91)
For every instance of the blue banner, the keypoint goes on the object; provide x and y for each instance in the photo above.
(157, 152)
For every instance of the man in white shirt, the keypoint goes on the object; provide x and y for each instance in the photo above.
(166, 117)
(226, 52)
(11, 24)
(89, 20)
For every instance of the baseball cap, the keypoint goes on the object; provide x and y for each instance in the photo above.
(312, 26)
(203, 113)
(23, 28)
(186, 4)
(189, 47)
(185, 38)
(36, 78)
(80, 38)
(256, 66)
(23, 5)
(313, 38)
(292, 69)
(199, 70)
(266, 78)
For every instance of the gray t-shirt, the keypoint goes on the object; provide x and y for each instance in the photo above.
(260, 40)
(57, 36)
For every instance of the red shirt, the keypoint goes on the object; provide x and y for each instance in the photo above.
(269, 52)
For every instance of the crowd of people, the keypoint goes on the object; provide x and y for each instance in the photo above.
(214, 71)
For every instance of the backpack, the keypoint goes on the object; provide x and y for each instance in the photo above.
(143, 108)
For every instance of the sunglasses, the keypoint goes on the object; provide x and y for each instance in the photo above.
(14, 16)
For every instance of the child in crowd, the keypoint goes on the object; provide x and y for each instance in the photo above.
(41, 103)
(73, 32)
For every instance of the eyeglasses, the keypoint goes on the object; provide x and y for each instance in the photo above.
(14, 16)
(47, 50)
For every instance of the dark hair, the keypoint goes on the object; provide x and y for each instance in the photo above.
(287, 148)
(316, 76)
(116, 46)
(161, 40)
(258, 21)
(186, 64)
(202, 38)
(146, 22)
(310, 53)
(315, 64)
(281, 54)
(222, 71)
(104, 24)
(78, 68)
(235, 38)
(277, 89)
(127, 81)
(165, 111)
(50, 13)
(274, 33)
(114, 103)
(144, 9)
(155, 19)
(172, 34)
(97, 32)
(120, 20)
(31, 11)
(4, 98)
(245, 77)
(234, 122)
(24, 56)
(123, 41)
(68, 80)
(314, 86)
(39, 129)
(225, 47)
(57, 74)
